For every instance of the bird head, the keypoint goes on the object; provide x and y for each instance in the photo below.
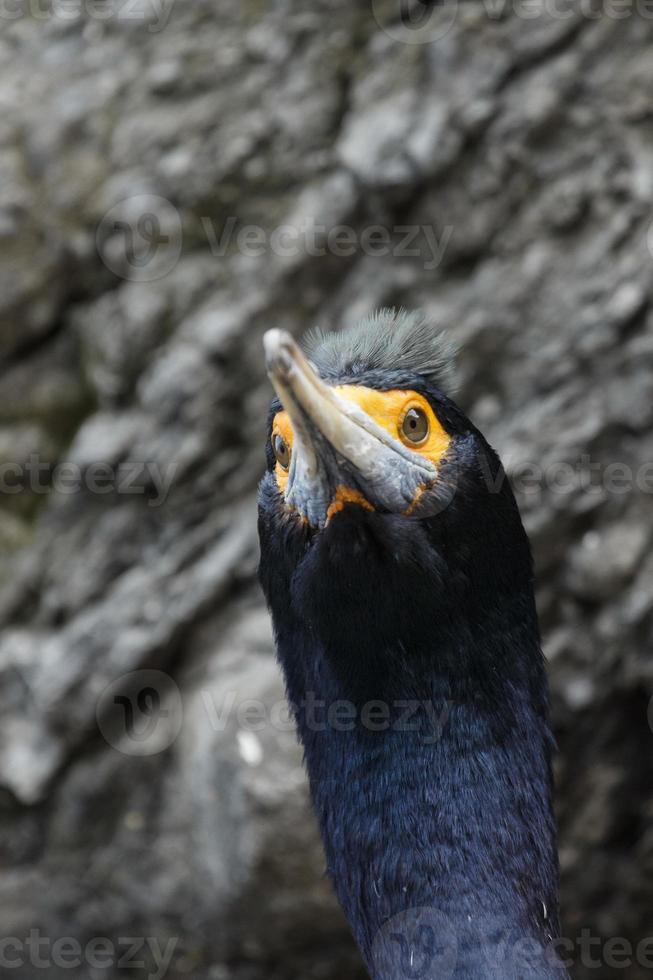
(361, 421)
(386, 524)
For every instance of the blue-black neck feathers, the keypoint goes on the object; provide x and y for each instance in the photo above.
(412, 659)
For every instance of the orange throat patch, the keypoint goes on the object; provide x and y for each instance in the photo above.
(345, 495)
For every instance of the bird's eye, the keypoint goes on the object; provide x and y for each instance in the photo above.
(415, 427)
(281, 451)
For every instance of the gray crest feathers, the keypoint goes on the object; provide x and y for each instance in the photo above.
(388, 340)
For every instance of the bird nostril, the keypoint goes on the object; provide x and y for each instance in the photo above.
(278, 365)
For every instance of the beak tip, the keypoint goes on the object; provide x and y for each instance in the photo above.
(279, 347)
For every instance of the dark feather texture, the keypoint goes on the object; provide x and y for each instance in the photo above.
(413, 665)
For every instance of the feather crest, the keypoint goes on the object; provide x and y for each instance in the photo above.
(388, 340)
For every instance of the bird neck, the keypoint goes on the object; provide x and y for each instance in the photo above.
(421, 702)
(431, 797)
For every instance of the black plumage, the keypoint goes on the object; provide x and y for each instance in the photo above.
(410, 647)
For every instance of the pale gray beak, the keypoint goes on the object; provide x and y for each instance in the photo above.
(336, 444)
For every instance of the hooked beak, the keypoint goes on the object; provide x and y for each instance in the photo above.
(336, 444)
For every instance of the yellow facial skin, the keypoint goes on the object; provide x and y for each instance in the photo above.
(388, 409)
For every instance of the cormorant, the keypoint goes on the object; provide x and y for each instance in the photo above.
(399, 578)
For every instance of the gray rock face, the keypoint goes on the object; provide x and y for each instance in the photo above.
(175, 179)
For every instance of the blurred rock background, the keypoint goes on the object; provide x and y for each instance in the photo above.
(138, 141)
